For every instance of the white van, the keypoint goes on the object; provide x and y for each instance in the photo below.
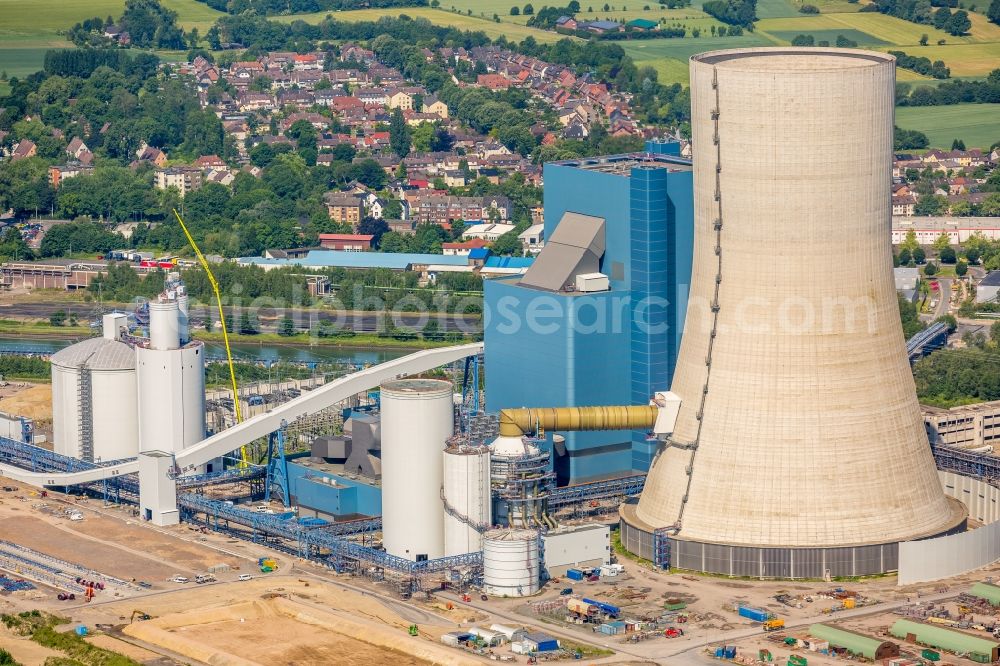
(179, 579)
(246, 577)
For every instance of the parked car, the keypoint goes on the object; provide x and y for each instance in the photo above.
(245, 577)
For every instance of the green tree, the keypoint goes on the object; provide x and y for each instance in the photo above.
(508, 244)
(399, 134)
(248, 324)
(930, 269)
(993, 13)
(919, 255)
(923, 37)
(949, 321)
(58, 318)
(286, 327)
(995, 332)
(957, 144)
(947, 255)
(942, 242)
(961, 268)
(528, 10)
(905, 257)
(515, 11)
(959, 23)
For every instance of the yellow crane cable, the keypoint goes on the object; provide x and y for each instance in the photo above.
(244, 461)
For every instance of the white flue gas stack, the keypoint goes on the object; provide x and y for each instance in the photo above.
(417, 421)
(171, 375)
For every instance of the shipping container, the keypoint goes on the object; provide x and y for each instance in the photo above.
(755, 614)
(930, 655)
(574, 574)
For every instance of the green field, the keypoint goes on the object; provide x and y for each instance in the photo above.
(978, 125)
(512, 31)
(669, 56)
(28, 28)
(862, 38)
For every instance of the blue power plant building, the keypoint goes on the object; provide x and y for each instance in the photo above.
(597, 319)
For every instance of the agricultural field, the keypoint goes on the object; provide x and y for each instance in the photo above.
(669, 56)
(978, 125)
(512, 31)
(862, 38)
(29, 28)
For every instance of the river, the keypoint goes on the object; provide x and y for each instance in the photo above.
(251, 352)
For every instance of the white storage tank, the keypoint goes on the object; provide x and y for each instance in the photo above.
(510, 562)
(417, 420)
(466, 498)
(94, 413)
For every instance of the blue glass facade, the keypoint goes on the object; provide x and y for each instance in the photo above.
(546, 349)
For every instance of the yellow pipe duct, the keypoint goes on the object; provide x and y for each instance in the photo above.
(518, 422)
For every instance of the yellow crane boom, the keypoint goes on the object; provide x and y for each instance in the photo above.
(225, 332)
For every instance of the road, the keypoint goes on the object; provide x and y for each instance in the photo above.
(304, 318)
(943, 297)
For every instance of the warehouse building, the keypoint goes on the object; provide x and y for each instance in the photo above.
(942, 638)
(986, 591)
(855, 643)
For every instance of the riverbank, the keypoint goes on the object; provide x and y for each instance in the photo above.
(357, 342)
(360, 341)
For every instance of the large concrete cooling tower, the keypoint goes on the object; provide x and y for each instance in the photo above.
(799, 450)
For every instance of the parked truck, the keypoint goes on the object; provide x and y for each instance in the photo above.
(774, 624)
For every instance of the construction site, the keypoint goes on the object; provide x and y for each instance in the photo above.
(761, 489)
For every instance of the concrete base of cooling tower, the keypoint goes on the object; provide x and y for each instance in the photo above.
(771, 561)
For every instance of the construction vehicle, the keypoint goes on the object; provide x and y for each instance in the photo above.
(774, 624)
(141, 615)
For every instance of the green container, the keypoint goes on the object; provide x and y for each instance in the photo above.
(930, 655)
(796, 660)
(980, 658)
(680, 605)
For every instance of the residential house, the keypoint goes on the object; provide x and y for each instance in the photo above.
(209, 162)
(463, 248)
(493, 81)
(567, 22)
(147, 153)
(185, 179)
(24, 148)
(442, 208)
(433, 105)
(76, 148)
(344, 208)
(57, 174)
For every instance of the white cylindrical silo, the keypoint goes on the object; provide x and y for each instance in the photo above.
(510, 562)
(466, 498)
(94, 411)
(164, 325)
(417, 419)
(171, 397)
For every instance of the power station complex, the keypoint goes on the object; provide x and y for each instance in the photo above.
(745, 414)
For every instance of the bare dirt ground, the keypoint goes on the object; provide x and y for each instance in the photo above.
(50, 539)
(153, 545)
(316, 623)
(24, 650)
(31, 400)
